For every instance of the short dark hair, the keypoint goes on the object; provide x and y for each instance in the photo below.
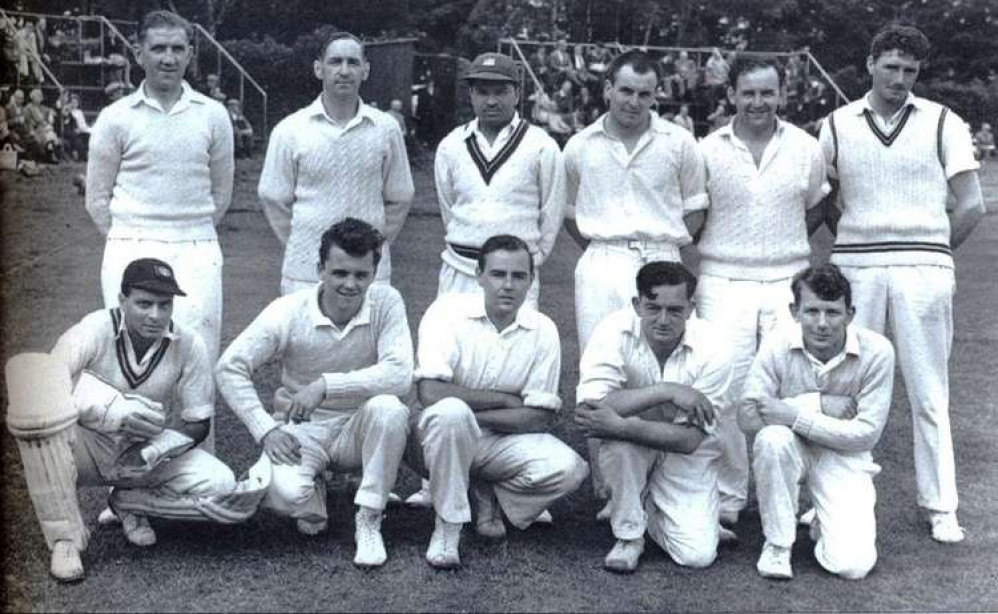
(165, 19)
(639, 61)
(332, 37)
(908, 40)
(826, 281)
(356, 237)
(746, 63)
(503, 243)
(661, 273)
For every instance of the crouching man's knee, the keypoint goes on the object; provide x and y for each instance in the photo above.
(447, 415)
(849, 563)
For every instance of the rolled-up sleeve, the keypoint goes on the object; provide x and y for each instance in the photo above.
(762, 382)
(817, 181)
(541, 388)
(692, 176)
(195, 389)
(601, 370)
(437, 348)
(397, 175)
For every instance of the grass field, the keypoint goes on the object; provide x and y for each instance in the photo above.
(51, 258)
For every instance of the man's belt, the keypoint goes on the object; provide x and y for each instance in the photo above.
(466, 251)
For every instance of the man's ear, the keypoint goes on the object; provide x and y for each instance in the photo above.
(636, 303)
(793, 311)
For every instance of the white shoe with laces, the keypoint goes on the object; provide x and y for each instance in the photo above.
(367, 534)
(443, 550)
(945, 527)
(774, 562)
(137, 529)
(624, 556)
(421, 499)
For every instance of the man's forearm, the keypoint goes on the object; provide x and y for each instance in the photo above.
(396, 213)
(573, 231)
(516, 420)
(632, 401)
(664, 436)
(434, 391)
(969, 209)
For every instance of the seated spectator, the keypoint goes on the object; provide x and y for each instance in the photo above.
(686, 69)
(564, 100)
(242, 130)
(719, 117)
(545, 114)
(560, 63)
(588, 109)
(598, 60)
(397, 113)
(587, 78)
(683, 119)
(31, 64)
(10, 43)
(14, 111)
(213, 87)
(75, 129)
(715, 77)
(539, 65)
(114, 91)
(41, 139)
(984, 141)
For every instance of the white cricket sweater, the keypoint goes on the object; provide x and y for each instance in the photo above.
(893, 186)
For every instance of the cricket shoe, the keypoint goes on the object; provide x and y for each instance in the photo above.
(945, 527)
(137, 530)
(489, 522)
(367, 534)
(624, 556)
(66, 565)
(422, 498)
(443, 550)
(774, 562)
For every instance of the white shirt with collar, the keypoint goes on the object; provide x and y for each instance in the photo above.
(459, 344)
(756, 229)
(514, 186)
(643, 194)
(864, 371)
(369, 356)
(317, 172)
(618, 357)
(160, 175)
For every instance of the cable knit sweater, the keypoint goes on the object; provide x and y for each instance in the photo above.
(316, 174)
(893, 185)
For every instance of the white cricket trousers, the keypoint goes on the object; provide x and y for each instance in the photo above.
(90, 461)
(371, 439)
(528, 471)
(918, 303)
(454, 281)
(746, 312)
(842, 493)
(672, 496)
(605, 278)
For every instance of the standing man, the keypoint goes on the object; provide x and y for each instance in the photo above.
(635, 195)
(765, 180)
(136, 373)
(497, 174)
(159, 177)
(346, 357)
(488, 379)
(895, 158)
(817, 399)
(635, 191)
(336, 158)
(651, 385)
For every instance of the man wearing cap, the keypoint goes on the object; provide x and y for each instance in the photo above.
(636, 193)
(159, 177)
(336, 158)
(142, 400)
(497, 174)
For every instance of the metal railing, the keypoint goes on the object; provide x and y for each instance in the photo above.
(221, 53)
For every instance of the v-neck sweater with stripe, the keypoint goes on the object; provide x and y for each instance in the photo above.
(519, 191)
(175, 371)
(893, 185)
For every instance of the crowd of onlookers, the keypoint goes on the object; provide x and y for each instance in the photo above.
(693, 90)
(48, 131)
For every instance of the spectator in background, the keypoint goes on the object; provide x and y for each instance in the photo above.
(984, 141)
(75, 129)
(564, 101)
(41, 139)
(213, 87)
(397, 113)
(715, 77)
(560, 63)
(684, 120)
(114, 91)
(15, 115)
(539, 65)
(242, 130)
(597, 60)
(719, 117)
(588, 108)
(686, 69)
(30, 65)
(11, 49)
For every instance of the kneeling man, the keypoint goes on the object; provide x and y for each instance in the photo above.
(651, 382)
(142, 401)
(346, 356)
(488, 379)
(817, 398)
